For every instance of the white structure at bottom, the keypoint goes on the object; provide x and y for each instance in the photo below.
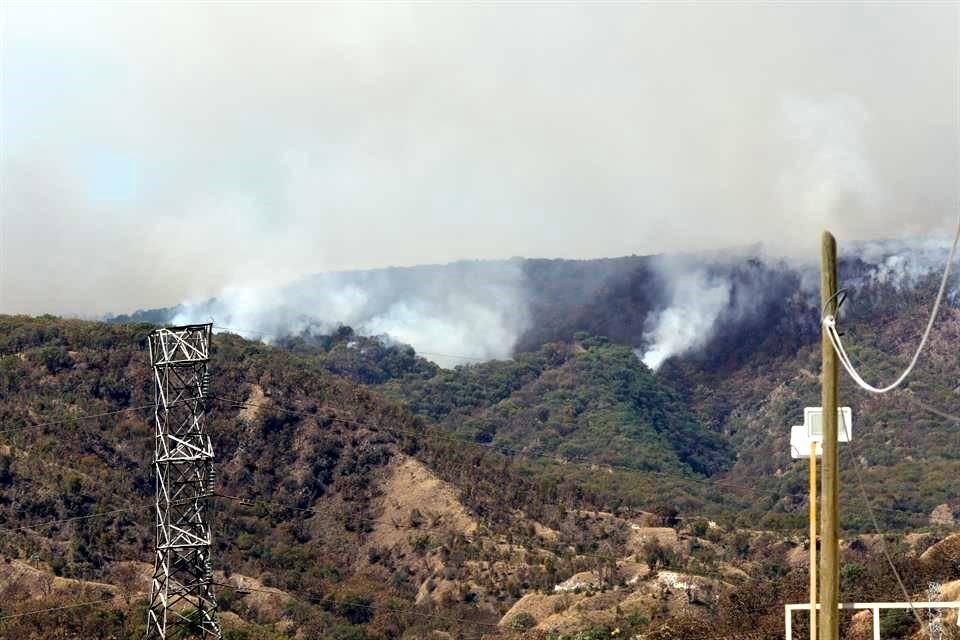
(788, 610)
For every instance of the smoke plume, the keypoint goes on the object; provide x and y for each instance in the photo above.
(451, 314)
(696, 301)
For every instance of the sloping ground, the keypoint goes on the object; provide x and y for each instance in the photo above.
(22, 580)
(414, 498)
(302, 460)
(320, 478)
(944, 552)
(30, 586)
(326, 476)
(256, 400)
(585, 601)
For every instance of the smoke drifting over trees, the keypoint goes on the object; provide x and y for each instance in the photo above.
(470, 308)
(664, 306)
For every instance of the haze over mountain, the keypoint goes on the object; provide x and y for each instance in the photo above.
(162, 153)
(475, 311)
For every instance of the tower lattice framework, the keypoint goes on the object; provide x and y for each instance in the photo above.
(182, 602)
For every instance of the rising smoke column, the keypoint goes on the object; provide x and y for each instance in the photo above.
(696, 301)
(826, 180)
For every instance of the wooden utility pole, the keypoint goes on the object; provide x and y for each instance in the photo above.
(829, 518)
(813, 540)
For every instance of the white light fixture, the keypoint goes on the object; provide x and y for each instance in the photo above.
(812, 431)
(813, 422)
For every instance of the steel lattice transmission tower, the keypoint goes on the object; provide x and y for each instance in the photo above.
(182, 603)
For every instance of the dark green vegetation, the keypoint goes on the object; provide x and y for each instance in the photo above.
(589, 401)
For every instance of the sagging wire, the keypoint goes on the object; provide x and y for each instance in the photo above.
(829, 323)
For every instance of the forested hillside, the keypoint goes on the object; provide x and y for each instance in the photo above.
(341, 515)
(365, 492)
(305, 462)
(729, 405)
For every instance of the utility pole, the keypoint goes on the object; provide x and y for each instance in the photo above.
(182, 604)
(829, 520)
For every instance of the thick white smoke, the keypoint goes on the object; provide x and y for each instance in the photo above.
(464, 310)
(904, 263)
(696, 300)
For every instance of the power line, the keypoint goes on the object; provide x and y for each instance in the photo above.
(493, 447)
(830, 326)
(90, 516)
(676, 476)
(359, 605)
(245, 500)
(414, 612)
(711, 483)
(411, 527)
(61, 608)
(48, 523)
(926, 407)
(92, 416)
(242, 499)
(248, 501)
(482, 359)
(496, 448)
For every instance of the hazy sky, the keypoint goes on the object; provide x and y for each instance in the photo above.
(156, 152)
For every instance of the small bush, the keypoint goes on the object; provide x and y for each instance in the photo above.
(523, 621)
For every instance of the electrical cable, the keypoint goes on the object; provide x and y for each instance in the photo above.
(410, 527)
(713, 483)
(830, 326)
(92, 416)
(245, 500)
(876, 527)
(4, 618)
(361, 606)
(923, 405)
(99, 514)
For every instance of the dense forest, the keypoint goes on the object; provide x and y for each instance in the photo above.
(365, 492)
